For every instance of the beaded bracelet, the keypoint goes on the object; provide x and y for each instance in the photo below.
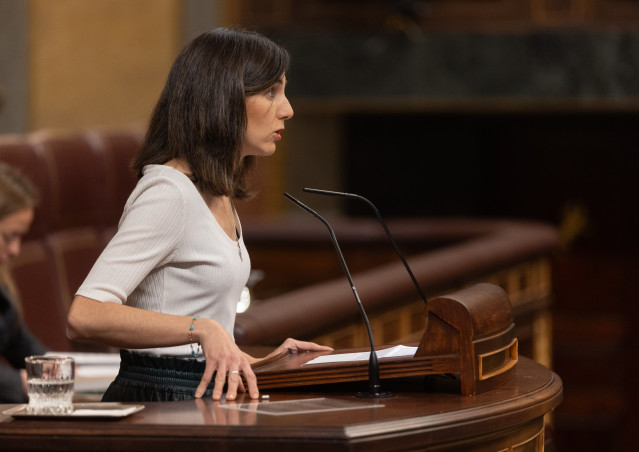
(199, 348)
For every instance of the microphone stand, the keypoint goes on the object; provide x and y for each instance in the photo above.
(383, 223)
(374, 385)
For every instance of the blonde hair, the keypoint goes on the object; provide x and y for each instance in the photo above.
(16, 193)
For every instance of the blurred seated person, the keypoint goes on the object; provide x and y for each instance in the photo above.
(17, 201)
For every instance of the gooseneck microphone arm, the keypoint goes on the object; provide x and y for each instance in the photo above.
(383, 223)
(373, 363)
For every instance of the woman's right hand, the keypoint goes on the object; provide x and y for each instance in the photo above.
(225, 360)
(126, 327)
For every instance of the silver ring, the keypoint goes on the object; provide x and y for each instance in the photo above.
(234, 372)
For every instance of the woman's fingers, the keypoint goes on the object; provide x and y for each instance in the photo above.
(299, 346)
(232, 380)
(207, 376)
(307, 346)
(251, 380)
(229, 364)
(220, 381)
(233, 383)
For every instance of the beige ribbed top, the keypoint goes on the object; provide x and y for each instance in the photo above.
(171, 256)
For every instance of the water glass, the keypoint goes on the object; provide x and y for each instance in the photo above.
(50, 384)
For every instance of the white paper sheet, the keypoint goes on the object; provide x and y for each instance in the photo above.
(84, 358)
(397, 351)
(93, 371)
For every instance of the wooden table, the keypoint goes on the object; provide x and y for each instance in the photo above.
(415, 419)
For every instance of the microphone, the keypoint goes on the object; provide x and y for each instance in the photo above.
(374, 385)
(383, 223)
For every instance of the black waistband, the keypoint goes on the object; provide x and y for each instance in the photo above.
(147, 378)
(160, 371)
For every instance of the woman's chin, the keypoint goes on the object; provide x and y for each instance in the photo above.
(261, 152)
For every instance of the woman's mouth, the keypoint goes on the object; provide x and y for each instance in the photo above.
(278, 134)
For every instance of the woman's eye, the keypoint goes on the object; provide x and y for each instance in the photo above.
(8, 237)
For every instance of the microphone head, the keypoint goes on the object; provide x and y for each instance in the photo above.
(317, 191)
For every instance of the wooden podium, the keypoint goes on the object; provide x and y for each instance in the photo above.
(469, 333)
(507, 418)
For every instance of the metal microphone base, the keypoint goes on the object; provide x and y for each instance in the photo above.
(374, 393)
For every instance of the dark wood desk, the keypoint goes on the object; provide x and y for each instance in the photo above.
(416, 419)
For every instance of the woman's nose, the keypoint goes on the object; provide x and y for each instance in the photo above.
(14, 247)
(286, 110)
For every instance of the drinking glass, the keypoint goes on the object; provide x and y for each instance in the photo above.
(50, 384)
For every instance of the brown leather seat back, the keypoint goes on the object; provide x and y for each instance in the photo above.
(84, 181)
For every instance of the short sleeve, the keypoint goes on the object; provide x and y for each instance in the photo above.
(149, 231)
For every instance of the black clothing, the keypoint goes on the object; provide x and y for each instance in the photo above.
(146, 378)
(16, 343)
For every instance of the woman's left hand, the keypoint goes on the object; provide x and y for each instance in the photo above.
(293, 345)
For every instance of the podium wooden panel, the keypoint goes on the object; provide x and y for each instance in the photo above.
(469, 333)
(509, 417)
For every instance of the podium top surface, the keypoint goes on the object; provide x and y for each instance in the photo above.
(414, 416)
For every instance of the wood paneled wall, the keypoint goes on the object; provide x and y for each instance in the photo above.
(99, 62)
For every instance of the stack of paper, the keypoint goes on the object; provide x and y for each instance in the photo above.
(397, 351)
(93, 371)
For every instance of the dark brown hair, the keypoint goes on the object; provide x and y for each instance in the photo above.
(201, 114)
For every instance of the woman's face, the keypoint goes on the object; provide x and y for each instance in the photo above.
(12, 228)
(266, 113)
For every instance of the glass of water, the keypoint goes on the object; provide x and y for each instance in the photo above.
(50, 384)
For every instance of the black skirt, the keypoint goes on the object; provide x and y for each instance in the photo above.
(146, 378)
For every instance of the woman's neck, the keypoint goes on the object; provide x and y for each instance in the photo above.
(180, 165)
(220, 206)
